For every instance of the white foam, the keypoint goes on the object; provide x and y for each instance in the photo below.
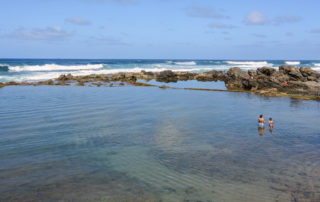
(53, 67)
(37, 76)
(292, 63)
(191, 63)
(316, 64)
(249, 64)
(316, 68)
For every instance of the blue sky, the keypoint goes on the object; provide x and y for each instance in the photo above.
(155, 29)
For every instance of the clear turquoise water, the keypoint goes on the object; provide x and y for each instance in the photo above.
(150, 144)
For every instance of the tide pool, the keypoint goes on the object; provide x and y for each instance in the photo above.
(149, 144)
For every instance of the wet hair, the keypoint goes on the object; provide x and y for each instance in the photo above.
(270, 119)
(261, 115)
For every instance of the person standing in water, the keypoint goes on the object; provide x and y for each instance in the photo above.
(261, 121)
(270, 124)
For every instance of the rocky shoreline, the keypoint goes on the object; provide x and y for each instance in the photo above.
(289, 81)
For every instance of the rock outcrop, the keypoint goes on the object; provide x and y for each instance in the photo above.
(288, 80)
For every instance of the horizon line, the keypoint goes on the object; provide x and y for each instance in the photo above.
(24, 58)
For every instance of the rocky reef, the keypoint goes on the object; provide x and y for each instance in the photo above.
(289, 81)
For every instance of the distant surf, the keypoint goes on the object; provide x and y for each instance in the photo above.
(292, 63)
(53, 67)
(42, 69)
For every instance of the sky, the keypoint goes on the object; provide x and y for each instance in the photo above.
(160, 29)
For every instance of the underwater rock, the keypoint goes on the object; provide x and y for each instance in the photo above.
(80, 84)
(61, 84)
(97, 84)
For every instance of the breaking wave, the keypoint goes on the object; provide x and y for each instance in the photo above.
(191, 63)
(293, 63)
(249, 64)
(53, 67)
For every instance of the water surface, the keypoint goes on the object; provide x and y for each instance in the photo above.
(151, 144)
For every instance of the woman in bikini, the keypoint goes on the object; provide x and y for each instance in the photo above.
(261, 121)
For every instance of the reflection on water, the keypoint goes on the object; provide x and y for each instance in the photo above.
(146, 144)
(190, 84)
(261, 131)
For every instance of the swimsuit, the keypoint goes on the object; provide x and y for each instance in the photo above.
(261, 125)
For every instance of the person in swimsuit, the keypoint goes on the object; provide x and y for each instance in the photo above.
(261, 121)
(270, 124)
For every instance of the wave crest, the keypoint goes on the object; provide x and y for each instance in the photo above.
(250, 64)
(53, 67)
(191, 63)
(293, 63)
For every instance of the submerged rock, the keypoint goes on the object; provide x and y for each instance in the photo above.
(97, 84)
(80, 84)
(61, 84)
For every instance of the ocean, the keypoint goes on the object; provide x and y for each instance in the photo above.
(43, 69)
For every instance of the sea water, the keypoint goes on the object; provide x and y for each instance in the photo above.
(43, 69)
(127, 143)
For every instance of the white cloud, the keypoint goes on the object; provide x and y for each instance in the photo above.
(48, 33)
(201, 12)
(78, 21)
(256, 18)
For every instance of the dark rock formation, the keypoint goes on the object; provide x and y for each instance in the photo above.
(265, 71)
(237, 79)
(210, 76)
(166, 76)
(292, 72)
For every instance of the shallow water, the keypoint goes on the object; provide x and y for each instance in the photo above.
(151, 144)
(189, 84)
